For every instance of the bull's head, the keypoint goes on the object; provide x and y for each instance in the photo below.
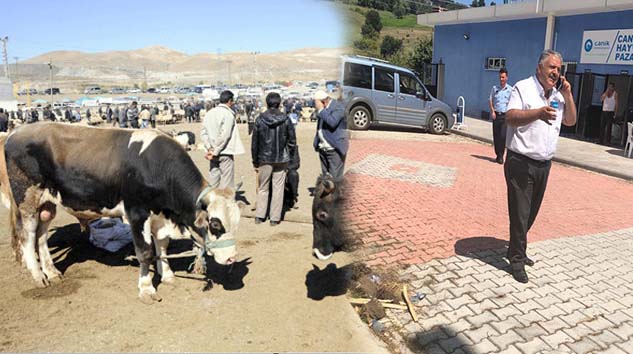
(326, 236)
(217, 217)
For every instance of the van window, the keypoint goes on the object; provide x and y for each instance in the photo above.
(409, 85)
(357, 75)
(383, 80)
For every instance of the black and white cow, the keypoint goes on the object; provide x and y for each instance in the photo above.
(142, 175)
(327, 235)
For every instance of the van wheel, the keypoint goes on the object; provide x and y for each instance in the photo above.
(359, 117)
(438, 124)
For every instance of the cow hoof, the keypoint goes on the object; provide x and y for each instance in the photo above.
(150, 298)
(171, 281)
(43, 282)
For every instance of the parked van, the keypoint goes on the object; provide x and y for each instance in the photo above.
(92, 90)
(379, 92)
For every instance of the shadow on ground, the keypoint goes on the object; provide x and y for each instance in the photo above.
(329, 281)
(487, 249)
(70, 246)
(440, 339)
(487, 158)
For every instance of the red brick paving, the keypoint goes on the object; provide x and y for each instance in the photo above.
(412, 223)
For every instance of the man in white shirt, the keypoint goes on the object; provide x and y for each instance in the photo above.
(609, 107)
(535, 112)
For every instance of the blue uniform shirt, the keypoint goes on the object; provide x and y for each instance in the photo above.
(500, 98)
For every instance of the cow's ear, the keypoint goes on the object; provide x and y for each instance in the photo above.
(241, 205)
(202, 219)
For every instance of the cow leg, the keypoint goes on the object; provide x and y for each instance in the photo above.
(162, 230)
(46, 215)
(29, 228)
(140, 223)
(161, 242)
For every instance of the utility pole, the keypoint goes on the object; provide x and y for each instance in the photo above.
(4, 55)
(228, 62)
(50, 68)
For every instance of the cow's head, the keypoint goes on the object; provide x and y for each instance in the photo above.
(218, 216)
(327, 235)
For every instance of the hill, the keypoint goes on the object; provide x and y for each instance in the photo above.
(158, 65)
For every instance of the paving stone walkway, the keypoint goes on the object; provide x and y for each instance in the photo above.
(438, 210)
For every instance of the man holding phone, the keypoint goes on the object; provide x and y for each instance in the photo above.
(331, 138)
(535, 113)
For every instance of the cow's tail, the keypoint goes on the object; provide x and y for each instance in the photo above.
(5, 188)
(16, 230)
(17, 238)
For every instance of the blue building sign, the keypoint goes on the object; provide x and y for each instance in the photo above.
(607, 47)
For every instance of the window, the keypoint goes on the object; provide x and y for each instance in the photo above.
(357, 75)
(409, 85)
(383, 80)
(495, 63)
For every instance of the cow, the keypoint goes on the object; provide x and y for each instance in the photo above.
(185, 138)
(327, 235)
(141, 175)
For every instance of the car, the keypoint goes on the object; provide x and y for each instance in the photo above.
(54, 90)
(152, 90)
(133, 90)
(117, 90)
(380, 92)
(92, 90)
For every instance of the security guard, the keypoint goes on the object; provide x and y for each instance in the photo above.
(499, 97)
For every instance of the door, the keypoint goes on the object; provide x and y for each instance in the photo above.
(384, 94)
(410, 107)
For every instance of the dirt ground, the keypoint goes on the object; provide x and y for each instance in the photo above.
(277, 298)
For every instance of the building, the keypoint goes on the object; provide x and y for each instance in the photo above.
(595, 38)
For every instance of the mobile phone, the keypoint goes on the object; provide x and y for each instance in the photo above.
(559, 83)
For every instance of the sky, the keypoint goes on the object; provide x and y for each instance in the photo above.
(35, 27)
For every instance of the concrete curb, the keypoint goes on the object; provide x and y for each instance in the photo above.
(604, 171)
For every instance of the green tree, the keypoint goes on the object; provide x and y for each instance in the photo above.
(390, 46)
(399, 9)
(373, 19)
(366, 46)
(475, 3)
(367, 31)
(482, 3)
(422, 55)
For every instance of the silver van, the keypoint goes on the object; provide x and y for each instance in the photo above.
(379, 92)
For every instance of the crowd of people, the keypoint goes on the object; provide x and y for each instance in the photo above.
(274, 149)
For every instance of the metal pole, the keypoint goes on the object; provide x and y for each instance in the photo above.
(4, 55)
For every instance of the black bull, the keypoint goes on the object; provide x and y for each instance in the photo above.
(328, 233)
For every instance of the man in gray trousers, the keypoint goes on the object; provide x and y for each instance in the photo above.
(273, 142)
(221, 138)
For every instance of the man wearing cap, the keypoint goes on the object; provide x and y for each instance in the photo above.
(221, 138)
(331, 138)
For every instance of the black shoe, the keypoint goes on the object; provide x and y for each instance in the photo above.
(499, 160)
(528, 262)
(258, 220)
(518, 272)
(274, 223)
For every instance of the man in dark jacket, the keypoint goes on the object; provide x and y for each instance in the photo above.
(273, 142)
(4, 121)
(331, 139)
(132, 115)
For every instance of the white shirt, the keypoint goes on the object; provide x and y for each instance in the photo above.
(608, 105)
(536, 140)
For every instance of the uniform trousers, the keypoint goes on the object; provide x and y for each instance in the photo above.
(499, 133)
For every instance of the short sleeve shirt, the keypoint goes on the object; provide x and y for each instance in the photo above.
(500, 97)
(536, 140)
